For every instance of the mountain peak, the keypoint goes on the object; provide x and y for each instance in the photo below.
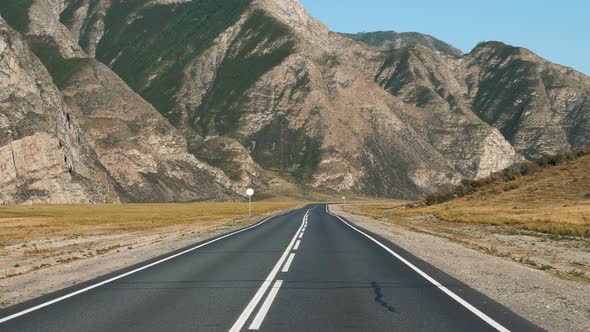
(397, 40)
(299, 20)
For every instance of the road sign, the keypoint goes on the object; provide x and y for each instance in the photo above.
(250, 192)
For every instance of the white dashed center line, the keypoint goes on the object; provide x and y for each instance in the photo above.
(288, 264)
(266, 306)
(297, 245)
(255, 325)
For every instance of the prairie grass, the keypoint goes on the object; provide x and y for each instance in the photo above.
(26, 223)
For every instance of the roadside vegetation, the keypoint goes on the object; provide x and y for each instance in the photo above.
(40, 222)
(550, 195)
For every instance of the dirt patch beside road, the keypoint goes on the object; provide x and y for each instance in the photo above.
(499, 265)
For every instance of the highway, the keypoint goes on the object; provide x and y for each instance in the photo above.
(306, 270)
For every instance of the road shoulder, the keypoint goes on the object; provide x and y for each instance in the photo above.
(110, 253)
(550, 302)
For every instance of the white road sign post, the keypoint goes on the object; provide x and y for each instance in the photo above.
(250, 192)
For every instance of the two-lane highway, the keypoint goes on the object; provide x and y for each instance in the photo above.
(306, 270)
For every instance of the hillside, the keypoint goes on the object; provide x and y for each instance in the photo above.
(391, 40)
(552, 199)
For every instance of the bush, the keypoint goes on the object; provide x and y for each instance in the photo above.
(510, 174)
(551, 160)
(529, 168)
(510, 187)
(437, 198)
(582, 152)
(16, 13)
(473, 183)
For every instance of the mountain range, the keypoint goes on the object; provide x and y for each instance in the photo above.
(107, 101)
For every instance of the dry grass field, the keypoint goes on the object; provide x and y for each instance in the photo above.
(28, 223)
(554, 201)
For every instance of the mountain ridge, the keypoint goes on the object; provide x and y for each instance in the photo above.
(396, 40)
(252, 89)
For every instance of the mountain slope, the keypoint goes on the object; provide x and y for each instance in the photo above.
(197, 100)
(138, 148)
(268, 75)
(44, 157)
(392, 40)
(537, 106)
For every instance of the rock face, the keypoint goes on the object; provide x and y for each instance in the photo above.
(197, 100)
(143, 153)
(140, 153)
(391, 40)
(44, 156)
(536, 105)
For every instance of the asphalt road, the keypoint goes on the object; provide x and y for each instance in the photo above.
(306, 270)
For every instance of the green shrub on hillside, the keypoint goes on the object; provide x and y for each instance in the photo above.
(530, 168)
(60, 69)
(64, 70)
(16, 13)
(510, 174)
(439, 197)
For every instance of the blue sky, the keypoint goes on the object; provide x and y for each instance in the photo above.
(558, 30)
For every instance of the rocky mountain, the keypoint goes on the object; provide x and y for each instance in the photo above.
(391, 40)
(137, 149)
(195, 100)
(44, 157)
(538, 106)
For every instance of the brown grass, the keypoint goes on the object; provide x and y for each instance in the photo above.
(27, 223)
(553, 201)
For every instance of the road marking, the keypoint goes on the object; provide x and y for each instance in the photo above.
(288, 264)
(266, 306)
(297, 245)
(301, 235)
(83, 290)
(447, 291)
(265, 285)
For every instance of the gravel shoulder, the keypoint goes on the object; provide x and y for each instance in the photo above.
(546, 299)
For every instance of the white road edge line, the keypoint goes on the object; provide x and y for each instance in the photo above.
(266, 306)
(83, 290)
(454, 296)
(265, 285)
(297, 245)
(288, 264)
